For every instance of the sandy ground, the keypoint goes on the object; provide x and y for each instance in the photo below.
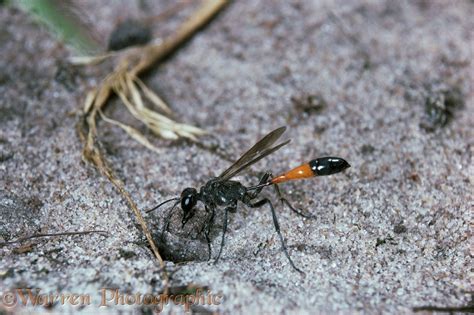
(386, 85)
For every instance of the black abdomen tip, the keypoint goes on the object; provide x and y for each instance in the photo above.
(328, 165)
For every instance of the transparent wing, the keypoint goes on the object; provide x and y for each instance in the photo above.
(255, 160)
(260, 150)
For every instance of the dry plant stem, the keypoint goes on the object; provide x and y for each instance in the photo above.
(154, 53)
(97, 98)
(21, 239)
(93, 155)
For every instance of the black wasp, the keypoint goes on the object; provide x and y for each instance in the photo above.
(223, 193)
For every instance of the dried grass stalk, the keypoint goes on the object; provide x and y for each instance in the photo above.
(124, 82)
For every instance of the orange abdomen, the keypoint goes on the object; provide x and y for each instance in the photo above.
(318, 167)
(300, 172)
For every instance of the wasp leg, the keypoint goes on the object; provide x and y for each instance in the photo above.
(263, 180)
(208, 226)
(167, 221)
(286, 202)
(261, 203)
(230, 208)
(208, 219)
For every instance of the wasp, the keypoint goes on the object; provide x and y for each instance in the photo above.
(221, 193)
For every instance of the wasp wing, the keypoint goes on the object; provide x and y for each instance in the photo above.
(260, 150)
(255, 160)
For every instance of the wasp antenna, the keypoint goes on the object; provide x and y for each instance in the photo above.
(164, 202)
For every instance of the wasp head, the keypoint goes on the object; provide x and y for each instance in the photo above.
(189, 198)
